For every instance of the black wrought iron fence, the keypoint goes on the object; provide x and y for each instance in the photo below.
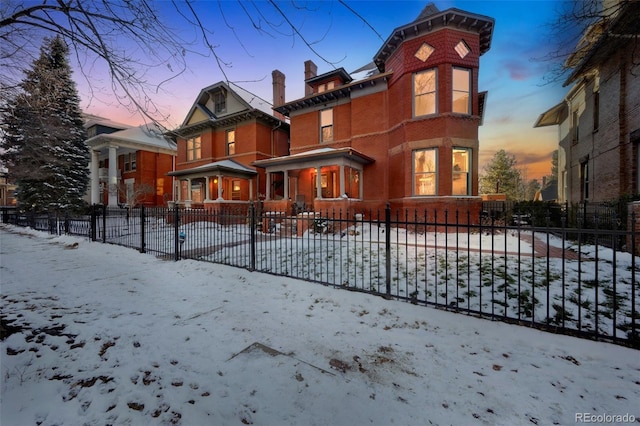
(557, 278)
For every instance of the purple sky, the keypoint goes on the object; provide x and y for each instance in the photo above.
(509, 71)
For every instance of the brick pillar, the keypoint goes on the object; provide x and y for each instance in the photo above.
(310, 71)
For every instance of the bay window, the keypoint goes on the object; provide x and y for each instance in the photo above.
(461, 167)
(425, 169)
(425, 92)
(461, 101)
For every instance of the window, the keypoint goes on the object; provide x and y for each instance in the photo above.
(327, 86)
(424, 93)
(129, 161)
(235, 190)
(425, 171)
(326, 125)
(461, 167)
(596, 110)
(461, 91)
(462, 49)
(584, 180)
(231, 142)
(576, 130)
(424, 52)
(193, 149)
(219, 102)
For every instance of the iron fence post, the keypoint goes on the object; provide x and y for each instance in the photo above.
(104, 223)
(142, 231)
(634, 334)
(92, 224)
(252, 236)
(387, 247)
(176, 236)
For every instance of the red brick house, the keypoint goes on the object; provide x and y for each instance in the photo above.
(129, 165)
(402, 130)
(224, 132)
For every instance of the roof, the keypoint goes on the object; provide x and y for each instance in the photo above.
(92, 120)
(251, 101)
(554, 115)
(340, 72)
(316, 154)
(622, 29)
(339, 92)
(431, 19)
(228, 167)
(145, 136)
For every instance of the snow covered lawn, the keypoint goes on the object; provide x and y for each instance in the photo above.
(100, 334)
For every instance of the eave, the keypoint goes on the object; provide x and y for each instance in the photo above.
(451, 18)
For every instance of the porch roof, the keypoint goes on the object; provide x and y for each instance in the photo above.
(317, 155)
(226, 167)
(554, 115)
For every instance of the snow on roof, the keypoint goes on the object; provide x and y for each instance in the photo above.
(365, 72)
(252, 99)
(92, 120)
(146, 134)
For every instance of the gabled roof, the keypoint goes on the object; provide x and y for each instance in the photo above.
(431, 19)
(145, 137)
(340, 72)
(251, 103)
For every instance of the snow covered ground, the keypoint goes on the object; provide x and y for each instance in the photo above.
(101, 334)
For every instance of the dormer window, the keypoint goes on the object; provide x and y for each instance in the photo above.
(326, 86)
(219, 103)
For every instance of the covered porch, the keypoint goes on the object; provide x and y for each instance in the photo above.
(213, 186)
(314, 180)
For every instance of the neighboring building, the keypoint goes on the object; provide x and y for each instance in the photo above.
(129, 165)
(225, 131)
(7, 190)
(402, 130)
(599, 118)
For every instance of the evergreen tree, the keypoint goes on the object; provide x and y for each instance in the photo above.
(501, 176)
(44, 138)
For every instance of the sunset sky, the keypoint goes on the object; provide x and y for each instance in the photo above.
(511, 71)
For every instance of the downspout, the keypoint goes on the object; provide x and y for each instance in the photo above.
(273, 129)
(622, 135)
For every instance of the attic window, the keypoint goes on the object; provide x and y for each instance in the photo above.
(462, 49)
(219, 102)
(424, 52)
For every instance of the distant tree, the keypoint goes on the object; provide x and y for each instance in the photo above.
(501, 176)
(44, 137)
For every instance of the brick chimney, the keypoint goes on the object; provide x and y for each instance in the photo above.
(278, 91)
(310, 71)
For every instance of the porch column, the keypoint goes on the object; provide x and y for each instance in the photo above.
(113, 176)
(361, 183)
(206, 190)
(318, 182)
(250, 189)
(189, 189)
(268, 187)
(286, 184)
(178, 189)
(220, 187)
(342, 191)
(95, 177)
